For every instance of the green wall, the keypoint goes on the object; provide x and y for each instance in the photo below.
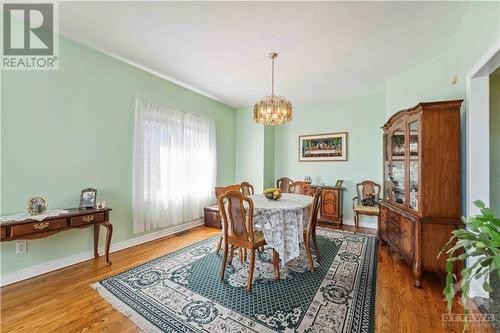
(494, 142)
(362, 118)
(73, 128)
(255, 153)
(249, 154)
(269, 156)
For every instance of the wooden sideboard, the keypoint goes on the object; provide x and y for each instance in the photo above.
(421, 197)
(75, 218)
(331, 202)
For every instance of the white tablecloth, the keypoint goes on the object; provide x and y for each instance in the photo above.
(283, 222)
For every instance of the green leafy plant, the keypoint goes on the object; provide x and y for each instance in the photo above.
(480, 239)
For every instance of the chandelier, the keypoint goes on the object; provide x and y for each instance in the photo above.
(272, 110)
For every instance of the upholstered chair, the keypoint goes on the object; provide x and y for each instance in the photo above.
(365, 190)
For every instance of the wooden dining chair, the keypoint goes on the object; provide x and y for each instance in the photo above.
(247, 189)
(366, 189)
(284, 184)
(310, 231)
(220, 190)
(239, 232)
(298, 187)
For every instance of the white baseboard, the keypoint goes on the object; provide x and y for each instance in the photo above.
(29, 272)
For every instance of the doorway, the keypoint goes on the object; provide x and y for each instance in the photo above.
(483, 139)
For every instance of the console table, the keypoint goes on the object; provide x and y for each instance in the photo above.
(75, 218)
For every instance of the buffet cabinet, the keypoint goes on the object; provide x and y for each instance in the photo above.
(421, 189)
(331, 202)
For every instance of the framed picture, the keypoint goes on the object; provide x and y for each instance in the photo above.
(88, 198)
(323, 147)
(339, 183)
(37, 205)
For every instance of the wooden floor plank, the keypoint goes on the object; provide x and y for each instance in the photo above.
(63, 301)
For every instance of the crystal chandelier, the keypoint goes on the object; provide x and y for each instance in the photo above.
(272, 110)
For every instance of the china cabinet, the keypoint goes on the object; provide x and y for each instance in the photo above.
(421, 188)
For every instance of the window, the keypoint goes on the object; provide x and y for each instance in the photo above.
(174, 165)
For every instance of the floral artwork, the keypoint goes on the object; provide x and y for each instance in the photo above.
(323, 147)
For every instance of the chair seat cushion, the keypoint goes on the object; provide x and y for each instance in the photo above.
(258, 236)
(366, 209)
(213, 208)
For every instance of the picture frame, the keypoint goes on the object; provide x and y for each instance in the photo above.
(329, 147)
(37, 205)
(339, 183)
(88, 198)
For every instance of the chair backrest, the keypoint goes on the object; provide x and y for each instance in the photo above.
(220, 190)
(367, 187)
(284, 184)
(247, 188)
(313, 212)
(298, 187)
(237, 225)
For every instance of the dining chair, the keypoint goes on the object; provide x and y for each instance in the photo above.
(298, 187)
(220, 190)
(247, 189)
(283, 184)
(310, 231)
(239, 232)
(366, 190)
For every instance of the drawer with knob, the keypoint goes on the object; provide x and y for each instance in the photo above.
(35, 227)
(86, 219)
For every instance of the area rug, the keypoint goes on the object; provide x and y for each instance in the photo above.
(182, 291)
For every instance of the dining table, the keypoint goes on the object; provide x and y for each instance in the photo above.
(282, 222)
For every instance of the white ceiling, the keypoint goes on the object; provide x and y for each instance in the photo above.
(327, 50)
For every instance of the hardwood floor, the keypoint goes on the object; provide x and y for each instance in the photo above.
(62, 301)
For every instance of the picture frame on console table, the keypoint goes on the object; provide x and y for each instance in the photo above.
(328, 147)
(88, 198)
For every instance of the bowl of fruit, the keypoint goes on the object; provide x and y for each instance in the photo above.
(272, 193)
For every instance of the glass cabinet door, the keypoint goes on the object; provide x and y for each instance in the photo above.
(397, 175)
(387, 171)
(414, 133)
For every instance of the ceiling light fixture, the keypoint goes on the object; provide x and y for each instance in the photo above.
(272, 110)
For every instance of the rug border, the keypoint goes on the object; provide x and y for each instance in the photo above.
(139, 320)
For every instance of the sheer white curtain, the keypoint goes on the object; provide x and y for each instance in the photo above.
(174, 165)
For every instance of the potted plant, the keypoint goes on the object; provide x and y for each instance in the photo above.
(480, 241)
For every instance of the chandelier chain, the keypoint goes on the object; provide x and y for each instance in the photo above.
(272, 77)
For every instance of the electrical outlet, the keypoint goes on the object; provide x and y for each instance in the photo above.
(21, 247)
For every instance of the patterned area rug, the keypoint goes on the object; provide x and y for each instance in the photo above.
(182, 291)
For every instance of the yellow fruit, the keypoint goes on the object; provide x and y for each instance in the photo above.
(269, 190)
(276, 193)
